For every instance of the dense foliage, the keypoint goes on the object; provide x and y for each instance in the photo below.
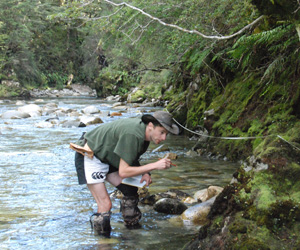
(244, 86)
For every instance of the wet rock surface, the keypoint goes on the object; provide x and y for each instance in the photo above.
(72, 90)
(169, 206)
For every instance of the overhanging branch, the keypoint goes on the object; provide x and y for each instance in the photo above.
(183, 29)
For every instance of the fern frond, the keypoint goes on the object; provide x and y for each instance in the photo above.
(274, 68)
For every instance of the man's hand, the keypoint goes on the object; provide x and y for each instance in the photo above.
(164, 163)
(147, 179)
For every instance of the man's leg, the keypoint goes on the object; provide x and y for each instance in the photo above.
(129, 203)
(95, 172)
(101, 197)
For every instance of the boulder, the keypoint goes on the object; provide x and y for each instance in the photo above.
(83, 90)
(214, 191)
(201, 195)
(60, 113)
(35, 113)
(138, 96)
(91, 110)
(197, 214)
(116, 104)
(14, 114)
(71, 124)
(172, 194)
(20, 103)
(89, 120)
(50, 105)
(169, 206)
(30, 108)
(116, 114)
(191, 153)
(206, 194)
(49, 111)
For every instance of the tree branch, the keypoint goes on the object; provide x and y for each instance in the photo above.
(183, 29)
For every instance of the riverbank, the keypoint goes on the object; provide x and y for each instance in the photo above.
(13, 89)
(258, 124)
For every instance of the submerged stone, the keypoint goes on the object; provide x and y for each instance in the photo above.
(169, 206)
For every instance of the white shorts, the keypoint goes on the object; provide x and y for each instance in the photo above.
(95, 170)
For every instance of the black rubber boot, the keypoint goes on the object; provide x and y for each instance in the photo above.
(101, 224)
(130, 211)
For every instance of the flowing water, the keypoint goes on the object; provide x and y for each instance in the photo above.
(43, 207)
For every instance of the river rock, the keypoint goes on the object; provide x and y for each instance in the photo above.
(71, 124)
(73, 90)
(50, 105)
(191, 153)
(115, 114)
(14, 114)
(172, 194)
(20, 103)
(30, 108)
(74, 114)
(142, 192)
(35, 113)
(169, 206)
(60, 113)
(171, 156)
(206, 194)
(49, 111)
(83, 90)
(117, 104)
(89, 120)
(137, 95)
(116, 194)
(91, 110)
(44, 124)
(113, 98)
(50, 108)
(197, 214)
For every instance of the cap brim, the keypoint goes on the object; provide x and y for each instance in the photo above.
(149, 118)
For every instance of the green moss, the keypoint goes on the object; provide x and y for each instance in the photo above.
(138, 95)
(252, 244)
(244, 196)
(262, 190)
(265, 197)
(255, 128)
(217, 223)
(237, 228)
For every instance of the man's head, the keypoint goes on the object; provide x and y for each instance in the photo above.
(159, 125)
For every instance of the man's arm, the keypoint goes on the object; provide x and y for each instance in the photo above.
(129, 171)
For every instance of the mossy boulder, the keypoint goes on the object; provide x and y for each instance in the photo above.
(138, 96)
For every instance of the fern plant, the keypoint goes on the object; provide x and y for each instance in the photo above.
(266, 52)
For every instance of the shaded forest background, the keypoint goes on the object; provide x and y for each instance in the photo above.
(250, 82)
(245, 85)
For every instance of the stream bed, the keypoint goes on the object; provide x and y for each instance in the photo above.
(43, 207)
